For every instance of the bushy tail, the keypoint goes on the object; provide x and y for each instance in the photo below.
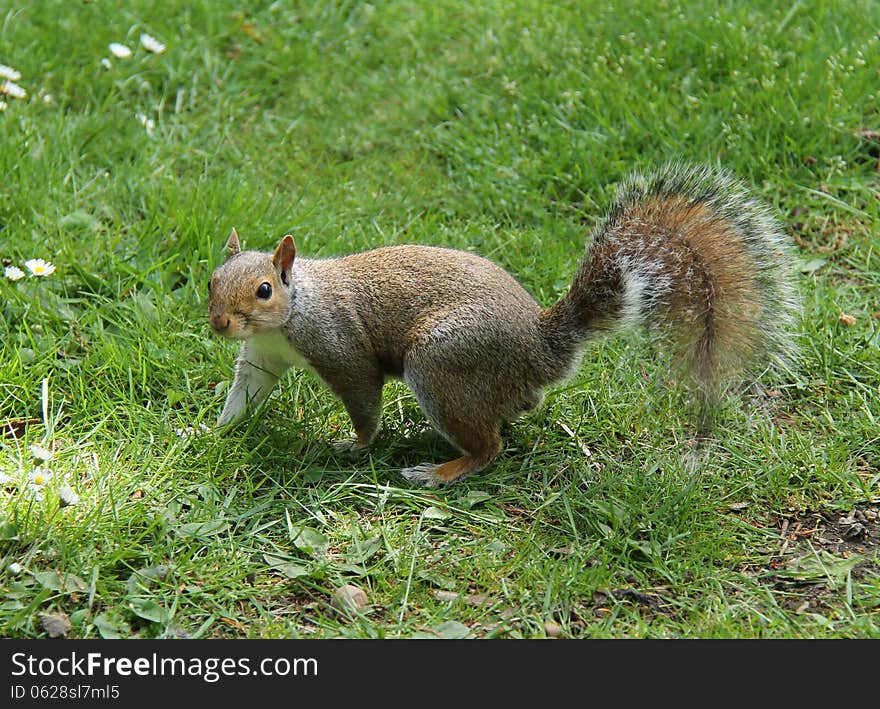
(688, 252)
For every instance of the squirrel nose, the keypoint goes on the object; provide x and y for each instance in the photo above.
(220, 322)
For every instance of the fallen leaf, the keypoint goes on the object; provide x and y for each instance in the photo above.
(435, 513)
(56, 625)
(202, 529)
(108, 629)
(812, 265)
(142, 579)
(552, 629)
(452, 630)
(561, 552)
(310, 541)
(349, 598)
(845, 319)
(476, 599)
(148, 609)
(441, 595)
(436, 580)
(17, 426)
(288, 568)
(8, 531)
(59, 581)
(472, 498)
(820, 567)
(361, 551)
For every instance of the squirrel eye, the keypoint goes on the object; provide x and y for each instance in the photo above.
(209, 286)
(264, 292)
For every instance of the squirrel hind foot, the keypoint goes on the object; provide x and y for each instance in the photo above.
(423, 474)
(436, 474)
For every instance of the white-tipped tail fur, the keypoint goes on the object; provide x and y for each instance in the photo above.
(689, 253)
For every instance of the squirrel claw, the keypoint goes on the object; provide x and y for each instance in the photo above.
(350, 447)
(422, 475)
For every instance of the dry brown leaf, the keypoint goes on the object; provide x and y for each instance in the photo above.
(552, 629)
(56, 625)
(349, 598)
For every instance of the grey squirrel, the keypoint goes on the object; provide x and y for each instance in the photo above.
(683, 250)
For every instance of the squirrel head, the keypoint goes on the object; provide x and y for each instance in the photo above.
(250, 292)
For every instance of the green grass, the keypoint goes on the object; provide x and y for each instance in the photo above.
(501, 127)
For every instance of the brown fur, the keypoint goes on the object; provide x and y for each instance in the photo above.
(472, 344)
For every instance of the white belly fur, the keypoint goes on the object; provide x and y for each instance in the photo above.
(276, 348)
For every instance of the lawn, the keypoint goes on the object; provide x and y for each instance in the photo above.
(498, 127)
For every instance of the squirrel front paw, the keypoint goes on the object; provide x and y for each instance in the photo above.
(224, 427)
(351, 447)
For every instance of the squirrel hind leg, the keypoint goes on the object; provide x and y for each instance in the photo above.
(480, 445)
(463, 406)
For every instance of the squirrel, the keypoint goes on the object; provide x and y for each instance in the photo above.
(683, 249)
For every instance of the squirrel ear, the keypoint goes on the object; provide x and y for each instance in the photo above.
(283, 257)
(232, 245)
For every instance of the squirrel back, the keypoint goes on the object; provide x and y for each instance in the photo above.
(683, 250)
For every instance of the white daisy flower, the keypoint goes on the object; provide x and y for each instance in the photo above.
(14, 568)
(106, 63)
(6, 479)
(40, 476)
(3, 106)
(11, 89)
(120, 51)
(38, 480)
(7, 72)
(39, 267)
(13, 273)
(191, 431)
(151, 44)
(67, 496)
(148, 123)
(41, 453)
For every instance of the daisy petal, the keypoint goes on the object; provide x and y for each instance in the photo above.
(120, 51)
(148, 123)
(67, 496)
(11, 89)
(13, 273)
(39, 267)
(40, 477)
(151, 44)
(40, 453)
(7, 72)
